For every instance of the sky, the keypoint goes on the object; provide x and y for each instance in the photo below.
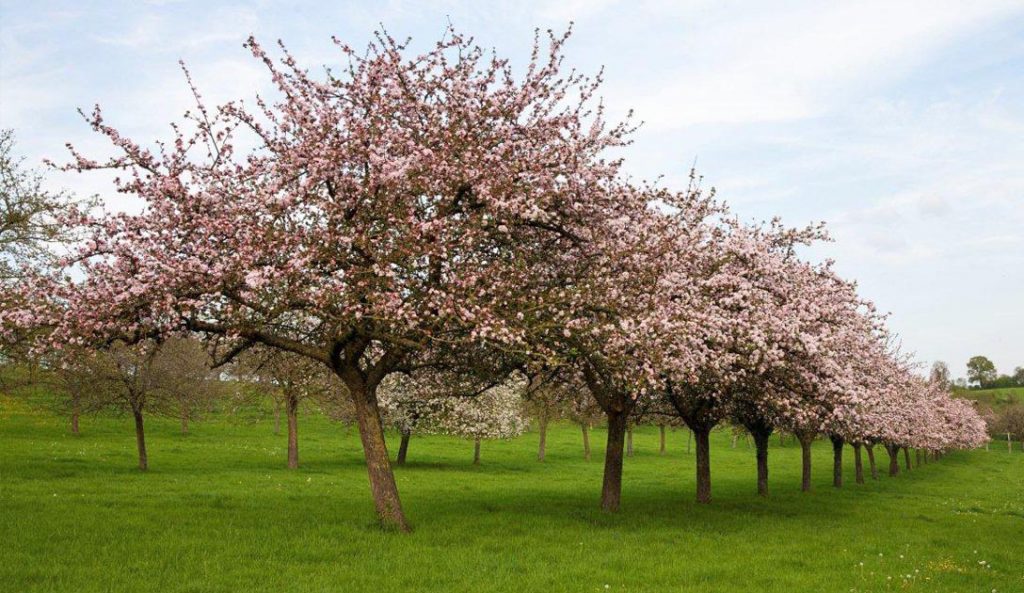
(900, 124)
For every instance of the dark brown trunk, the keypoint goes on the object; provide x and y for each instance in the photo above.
(894, 461)
(378, 464)
(140, 440)
(761, 444)
(403, 448)
(542, 450)
(871, 460)
(906, 458)
(476, 452)
(703, 438)
(689, 439)
(858, 464)
(292, 410)
(611, 489)
(661, 448)
(805, 454)
(586, 441)
(837, 461)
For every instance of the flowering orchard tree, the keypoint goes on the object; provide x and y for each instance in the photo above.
(497, 413)
(394, 206)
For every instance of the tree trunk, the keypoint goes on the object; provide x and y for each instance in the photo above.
(761, 444)
(611, 489)
(858, 465)
(871, 460)
(140, 440)
(689, 439)
(476, 452)
(894, 461)
(378, 464)
(661, 448)
(586, 441)
(924, 456)
(917, 457)
(805, 453)
(184, 422)
(837, 460)
(906, 457)
(74, 421)
(403, 448)
(782, 441)
(543, 437)
(629, 441)
(277, 418)
(703, 438)
(292, 409)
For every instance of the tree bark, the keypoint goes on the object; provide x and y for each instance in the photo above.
(689, 439)
(586, 441)
(476, 452)
(761, 444)
(906, 457)
(661, 448)
(277, 418)
(140, 440)
(74, 421)
(858, 464)
(837, 460)
(184, 423)
(611, 489)
(629, 441)
(894, 461)
(403, 448)
(805, 453)
(871, 460)
(378, 464)
(917, 456)
(703, 438)
(292, 410)
(542, 451)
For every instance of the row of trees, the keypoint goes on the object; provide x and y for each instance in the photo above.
(981, 374)
(437, 219)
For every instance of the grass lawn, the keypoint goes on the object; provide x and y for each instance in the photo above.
(218, 512)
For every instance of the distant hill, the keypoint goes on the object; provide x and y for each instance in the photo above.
(995, 398)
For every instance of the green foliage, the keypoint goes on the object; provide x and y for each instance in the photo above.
(980, 370)
(218, 512)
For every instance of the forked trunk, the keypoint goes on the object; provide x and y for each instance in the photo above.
(871, 460)
(542, 450)
(858, 465)
(837, 460)
(611, 489)
(894, 461)
(703, 437)
(586, 441)
(292, 410)
(805, 454)
(476, 451)
(661, 448)
(140, 440)
(403, 448)
(378, 464)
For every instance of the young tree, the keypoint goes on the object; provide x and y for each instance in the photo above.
(497, 413)
(187, 386)
(940, 374)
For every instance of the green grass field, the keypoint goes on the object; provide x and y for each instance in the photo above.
(218, 512)
(996, 398)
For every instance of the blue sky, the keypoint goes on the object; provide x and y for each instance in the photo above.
(901, 124)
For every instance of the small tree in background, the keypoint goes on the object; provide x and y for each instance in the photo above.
(940, 374)
(495, 414)
(187, 384)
